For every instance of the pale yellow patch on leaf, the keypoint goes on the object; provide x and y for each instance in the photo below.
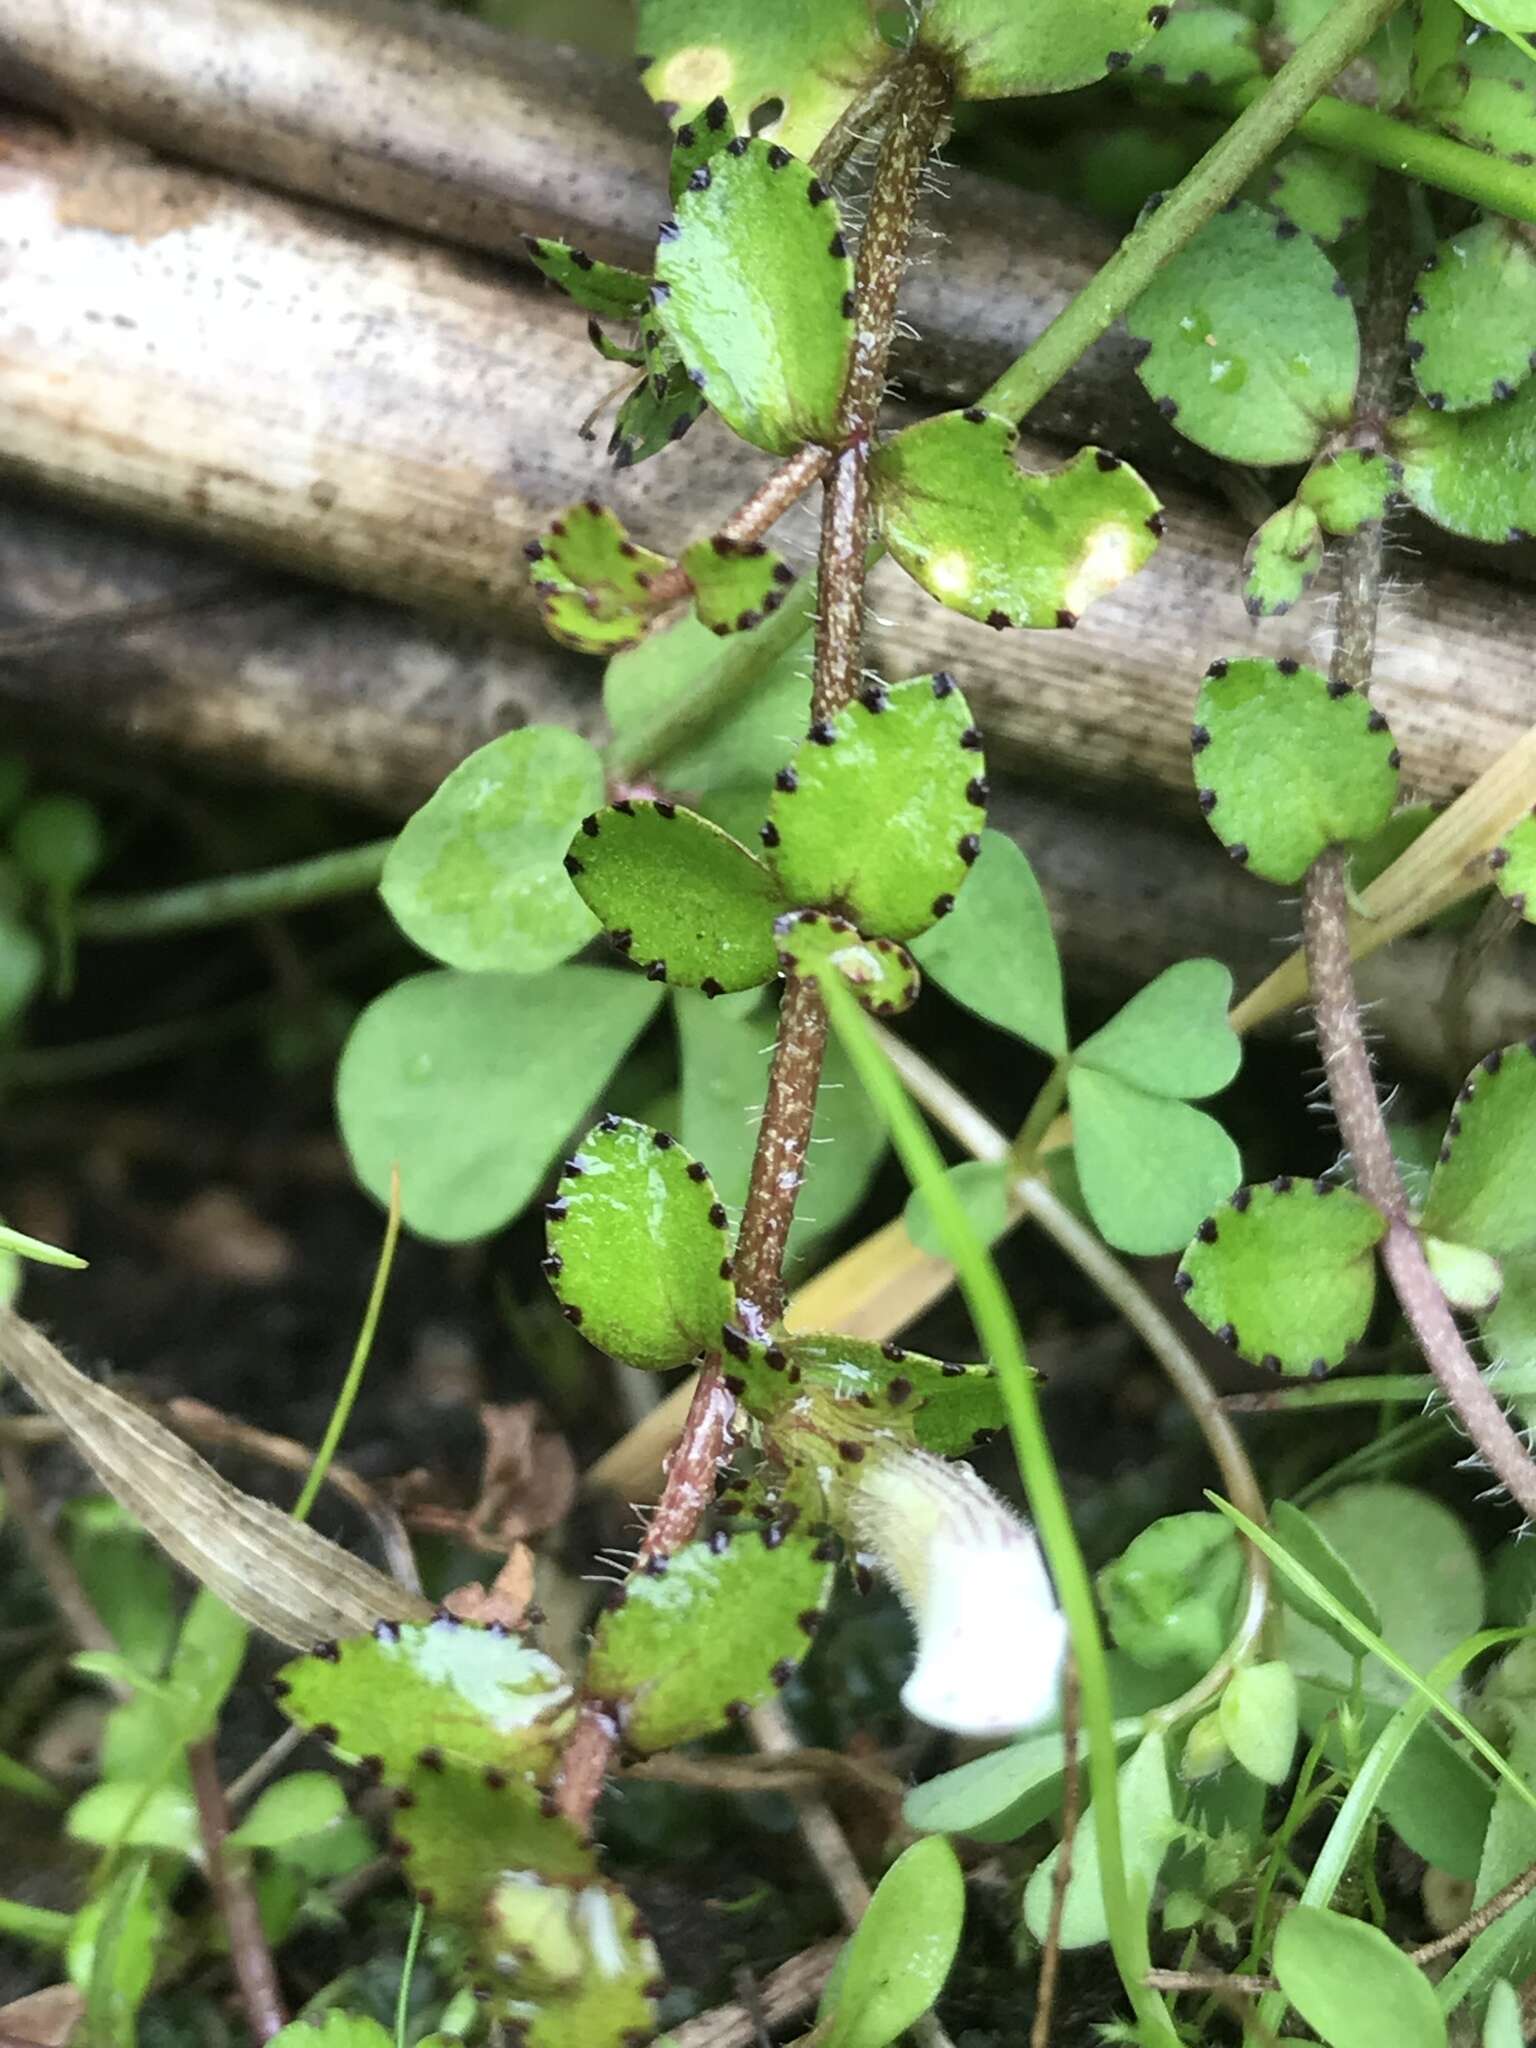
(695, 75)
(1108, 558)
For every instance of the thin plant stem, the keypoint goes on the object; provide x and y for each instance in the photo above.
(54, 1564)
(1210, 1980)
(407, 1974)
(255, 1972)
(998, 1329)
(1342, 33)
(1061, 1876)
(341, 1413)
(1492, 1909)
(20, 1921)
(229, 899)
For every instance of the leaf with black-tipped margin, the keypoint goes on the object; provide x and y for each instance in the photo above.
(1487, 98)
(568, 1965)
(736, 584)
(1287, 763)
(754, 286)
(1349, 488)
(881, 973)
(1322, 193)
(637, 1239)
(472, 1696)
(1285, 1272)
(886, 1388)
(1472, 325)
(588, 547)
(1513, 862)
(662, 406)
(678, 895)
(1201, 46)
(714, 1633)
(1251, 349)
(1002, 51)
(457, 1830)
(1473, 473)
(1281, 562)
(879, 814)
(696, 140)
(998, 543)
(1483, 1190)
(575, 619)
(606, 289)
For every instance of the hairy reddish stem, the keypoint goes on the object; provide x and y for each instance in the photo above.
(753, 517)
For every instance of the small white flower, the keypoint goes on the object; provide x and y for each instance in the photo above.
(990, 1637)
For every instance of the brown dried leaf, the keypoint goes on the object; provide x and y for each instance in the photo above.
(47, 2017)
(275, 1573)
(506, 1600)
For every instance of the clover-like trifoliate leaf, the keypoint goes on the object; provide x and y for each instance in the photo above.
(476, 877)
(605, 289)
(1472, 323)
(445, 1689)
(1282, 561)
(882, 1389)
(1171, 1595)
(810, 58)
(1250, 341)
(1286, 1272)
(1323, 194)
(569, 1965)
(1349, 488)
(1513, 862)
(736, 584)
(663, 405)
(698, 1641)
(981, 1187)
(882, 974)
(1172, 1038)
(879, 815)
(677, 894)
(1483, 1191)
(1201, 46)
(471, 1083)
(997, 954)
(1487, 98)
(1288, 763)
(1473, 473)
(1001, 51)
(1149, 1166)
(754, 284)
(459, 1830)
(1005, 546)
(639, 1246)
(704, 135)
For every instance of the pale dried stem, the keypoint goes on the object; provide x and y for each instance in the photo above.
(255, 1972)
(1071, 1809)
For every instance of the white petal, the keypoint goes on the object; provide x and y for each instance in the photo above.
(990, 1641)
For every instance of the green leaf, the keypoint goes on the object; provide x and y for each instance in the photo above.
(1485, 98)
(114, 1948)
(725, 1050)
(1469, 1279)
(333, 2030)
(744, 745)
(137, 1815)
(583, 1970)
(606, 289)
(1473, 473)
(663, 405)
(1286, 1273)
(878, 816)
(714, 1632)
(1281, 561)
(1502, 2024)
(588, 548)
(996, 954)
(460, 1831)
(902, 1951)
(1201, 46)
(1513, 862)
(58, 842)
(1009, 547)
(461, 1694)
(1258, 1720)
(1351, 1985)
(1483, 1191)
(1413, 1560)
(812, 57)
(304, 1803)
(1472, 324)
(1251, 343)
(1001, 51)
(1146, 1832)
(1349, 488)
(882, 975)
(1149, 1167)
(753, 284)
(1287, 764)
(1379, 73)
(736, 584)
(1325, 195)
(471, 1083)
(23, 964)
(126, 1580)
(1171, 1596)
(576, 620)
(697, 140)
(981, 1187)
(613, 351)
(639, 1248)
(884, 1389)
(1309, 1546)
(1000, 1796)
(1172, 1038)
(476, 878)
(25, 1247)
(678, 895)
